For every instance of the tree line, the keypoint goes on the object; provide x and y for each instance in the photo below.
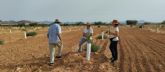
(33, 24)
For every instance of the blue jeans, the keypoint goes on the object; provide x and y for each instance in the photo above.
(113, 48)
(82, 41)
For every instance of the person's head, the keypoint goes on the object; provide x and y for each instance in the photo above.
(57, 21)
(88, 26)
(115, 23)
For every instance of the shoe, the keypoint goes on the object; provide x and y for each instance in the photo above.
(59, 57)
(113, 60)
(79, 51)
(51, 64)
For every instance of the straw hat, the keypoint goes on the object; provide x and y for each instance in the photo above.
(88, 24)
(57, 21)
(115, 22)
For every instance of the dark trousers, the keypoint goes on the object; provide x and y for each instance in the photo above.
(113, 48)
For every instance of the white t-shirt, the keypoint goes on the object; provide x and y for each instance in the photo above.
(117, 30)
(86, 31)
(52, 32)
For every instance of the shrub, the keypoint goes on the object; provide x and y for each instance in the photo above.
(79, 23)
(31, 34)
(33, 24)
(99, 23)
(1, 42)
(94, 47)
(100, 37)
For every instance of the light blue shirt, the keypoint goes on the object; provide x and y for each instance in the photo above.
(52, 33)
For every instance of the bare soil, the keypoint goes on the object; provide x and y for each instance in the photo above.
(32, 54)
(140, 50)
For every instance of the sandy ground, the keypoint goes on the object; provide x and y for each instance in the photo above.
(32, 54)
(140, 50)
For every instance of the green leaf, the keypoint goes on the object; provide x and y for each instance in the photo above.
(1, 42)
(31, 34)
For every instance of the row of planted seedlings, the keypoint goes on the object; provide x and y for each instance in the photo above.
(28, 33)
(25, 29)
(10, 29)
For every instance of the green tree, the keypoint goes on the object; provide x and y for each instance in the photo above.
(79, 23)
(33, 24)
(99, 23)
(163, 22)
(131, 22)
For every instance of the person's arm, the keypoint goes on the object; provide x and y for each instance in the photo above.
(91, 32)
(59, 33)
(111, 33)
(107, 33)
(47, 35)
(116, 33)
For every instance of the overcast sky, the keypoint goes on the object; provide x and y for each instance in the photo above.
(82, 10)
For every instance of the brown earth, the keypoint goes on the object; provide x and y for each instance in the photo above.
(32, 54)
(140, 50)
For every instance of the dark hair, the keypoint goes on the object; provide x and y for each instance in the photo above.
(116, 25)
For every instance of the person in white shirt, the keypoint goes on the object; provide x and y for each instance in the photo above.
(54, 38)
(88, 32)
(114, 40)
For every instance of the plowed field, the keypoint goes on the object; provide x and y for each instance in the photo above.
(139, 51)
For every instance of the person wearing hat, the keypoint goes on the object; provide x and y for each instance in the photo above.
(88, 31)
(114, 40)
(54, 38)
